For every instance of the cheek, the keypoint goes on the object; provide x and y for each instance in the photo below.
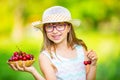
(64, 34)
(48, 35)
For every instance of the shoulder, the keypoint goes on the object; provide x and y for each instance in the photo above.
(46, 66)
(81, 48)
(44, 56)
(44, 61)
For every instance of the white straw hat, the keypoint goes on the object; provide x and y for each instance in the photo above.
(56, 14)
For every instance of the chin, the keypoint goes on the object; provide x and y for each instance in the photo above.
(57, 41)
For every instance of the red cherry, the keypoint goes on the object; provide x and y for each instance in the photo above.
(15, 58)
(24, 58)
(85, 62)
(12, 58)
(89, 62)
(28, 56)
(20, 57)
(15, 53)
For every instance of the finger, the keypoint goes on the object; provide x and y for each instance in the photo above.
(18, 67)
(24, 67)
(13, 67)
(90, 53)
(95, 57)
(86, 55)
(10, 66)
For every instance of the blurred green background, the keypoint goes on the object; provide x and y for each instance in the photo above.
(100, 29)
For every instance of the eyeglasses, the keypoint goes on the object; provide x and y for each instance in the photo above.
(49, 27)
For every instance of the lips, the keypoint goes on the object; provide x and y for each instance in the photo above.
(56, 37)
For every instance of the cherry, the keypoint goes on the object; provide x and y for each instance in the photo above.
(15, 58)
(28, 56)
(85, 62)
(20, 57)
(24, 58)
(12, 58)
(89, 62)
(15, 53)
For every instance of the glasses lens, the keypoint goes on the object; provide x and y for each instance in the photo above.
(48, 27)
(60, 27)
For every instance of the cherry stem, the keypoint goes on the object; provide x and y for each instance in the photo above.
(18, 49)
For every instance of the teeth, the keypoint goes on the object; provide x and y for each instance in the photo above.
(56, 37)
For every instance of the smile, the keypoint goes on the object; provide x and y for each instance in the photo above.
(56, 37)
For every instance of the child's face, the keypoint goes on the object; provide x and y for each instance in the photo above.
(57, 32)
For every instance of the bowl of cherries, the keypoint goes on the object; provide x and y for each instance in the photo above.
(21, 58)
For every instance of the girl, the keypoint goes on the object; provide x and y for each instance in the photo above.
(63, 57)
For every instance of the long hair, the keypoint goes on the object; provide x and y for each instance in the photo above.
(71, 40)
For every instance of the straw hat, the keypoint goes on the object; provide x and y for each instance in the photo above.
(56, 14)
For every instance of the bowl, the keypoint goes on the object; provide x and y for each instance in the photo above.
(20, 62)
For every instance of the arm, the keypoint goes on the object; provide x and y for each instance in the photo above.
(91, 69)
(36, 75)
(91, 75)
(46, 67)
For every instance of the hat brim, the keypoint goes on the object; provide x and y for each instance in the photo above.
(74, 22)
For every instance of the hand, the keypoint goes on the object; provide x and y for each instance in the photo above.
(29, 69)
(16, 67)
(92, 57)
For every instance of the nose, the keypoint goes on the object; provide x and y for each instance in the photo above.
(55, 30)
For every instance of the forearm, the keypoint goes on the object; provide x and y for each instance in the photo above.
(91, 75)
(37, 75)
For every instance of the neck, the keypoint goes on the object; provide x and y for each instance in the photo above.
(62, 45)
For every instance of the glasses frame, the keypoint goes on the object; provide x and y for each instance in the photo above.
(55, 26)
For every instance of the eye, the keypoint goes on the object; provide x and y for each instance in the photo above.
(49, 27)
